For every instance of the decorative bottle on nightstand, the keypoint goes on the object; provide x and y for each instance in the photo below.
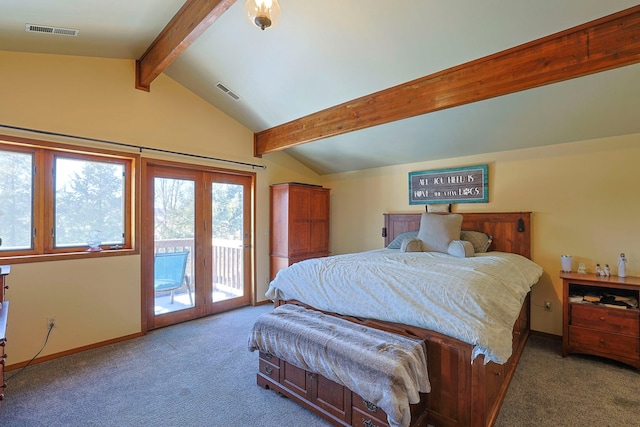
(622, 266)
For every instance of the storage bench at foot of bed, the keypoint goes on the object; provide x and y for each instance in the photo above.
(332, 401)
(462, 394)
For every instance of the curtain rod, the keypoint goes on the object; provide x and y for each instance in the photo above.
(122, 144)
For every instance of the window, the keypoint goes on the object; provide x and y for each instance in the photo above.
(16, 194)
(57, 199)
(88, 201)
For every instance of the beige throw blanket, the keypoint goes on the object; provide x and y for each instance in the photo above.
(388, 370)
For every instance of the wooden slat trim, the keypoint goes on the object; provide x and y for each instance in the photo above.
(609, 42)
(185, 27)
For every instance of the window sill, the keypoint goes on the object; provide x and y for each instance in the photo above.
(24, 259)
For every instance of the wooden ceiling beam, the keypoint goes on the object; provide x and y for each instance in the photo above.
(603, 44)
(193, 18)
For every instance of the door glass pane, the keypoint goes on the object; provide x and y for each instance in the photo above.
(174, 233)
(16, 193)
(227, 241)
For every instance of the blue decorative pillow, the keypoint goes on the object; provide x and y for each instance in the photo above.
(397, 242)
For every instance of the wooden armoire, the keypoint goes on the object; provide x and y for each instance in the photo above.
(299, 224)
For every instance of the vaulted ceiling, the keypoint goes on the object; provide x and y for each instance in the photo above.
(347, 85)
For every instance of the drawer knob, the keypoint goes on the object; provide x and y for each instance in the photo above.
(368, 423)
(268, 370)
(602, 318)
(601, 340)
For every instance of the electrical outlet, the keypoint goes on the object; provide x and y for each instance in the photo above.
(51, 321)
(547, 306)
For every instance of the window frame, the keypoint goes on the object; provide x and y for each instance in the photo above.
(43, 199)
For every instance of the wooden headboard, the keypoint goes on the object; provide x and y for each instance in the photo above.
(511, 231)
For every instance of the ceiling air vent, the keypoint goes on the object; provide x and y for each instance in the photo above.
(227, 91)
(46, 29)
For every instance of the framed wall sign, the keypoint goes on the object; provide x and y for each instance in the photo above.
(456, 185)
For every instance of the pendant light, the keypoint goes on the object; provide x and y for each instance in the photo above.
(263, 13)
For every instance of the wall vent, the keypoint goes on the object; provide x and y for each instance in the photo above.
(46, 29)
(227, 91)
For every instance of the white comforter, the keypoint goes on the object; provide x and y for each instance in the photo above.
(475, 300)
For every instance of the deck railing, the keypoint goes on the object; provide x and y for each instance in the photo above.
(227, 261)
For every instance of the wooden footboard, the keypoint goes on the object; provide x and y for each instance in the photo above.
(462, 393)
(469, 394)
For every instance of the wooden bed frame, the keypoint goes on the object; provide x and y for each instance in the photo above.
(463, 393)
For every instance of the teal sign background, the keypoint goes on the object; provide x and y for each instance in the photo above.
(456, 185)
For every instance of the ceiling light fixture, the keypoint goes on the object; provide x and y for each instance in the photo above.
(263, 13)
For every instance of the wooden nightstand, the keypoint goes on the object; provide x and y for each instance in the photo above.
(596, 328)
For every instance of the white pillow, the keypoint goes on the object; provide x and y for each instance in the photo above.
(460, 249)
(437, 231)
(411, 245)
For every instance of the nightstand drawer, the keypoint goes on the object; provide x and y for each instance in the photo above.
(604, 342)
(605, 319)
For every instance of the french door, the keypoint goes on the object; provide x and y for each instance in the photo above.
(197, 241)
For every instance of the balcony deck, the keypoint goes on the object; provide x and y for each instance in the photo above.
(227, 275)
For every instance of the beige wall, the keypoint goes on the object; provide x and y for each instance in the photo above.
(95, 300)
(585, 199)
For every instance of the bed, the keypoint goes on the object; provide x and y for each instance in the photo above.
(468, 381)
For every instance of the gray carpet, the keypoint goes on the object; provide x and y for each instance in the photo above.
(579, 390)
(200, 373)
